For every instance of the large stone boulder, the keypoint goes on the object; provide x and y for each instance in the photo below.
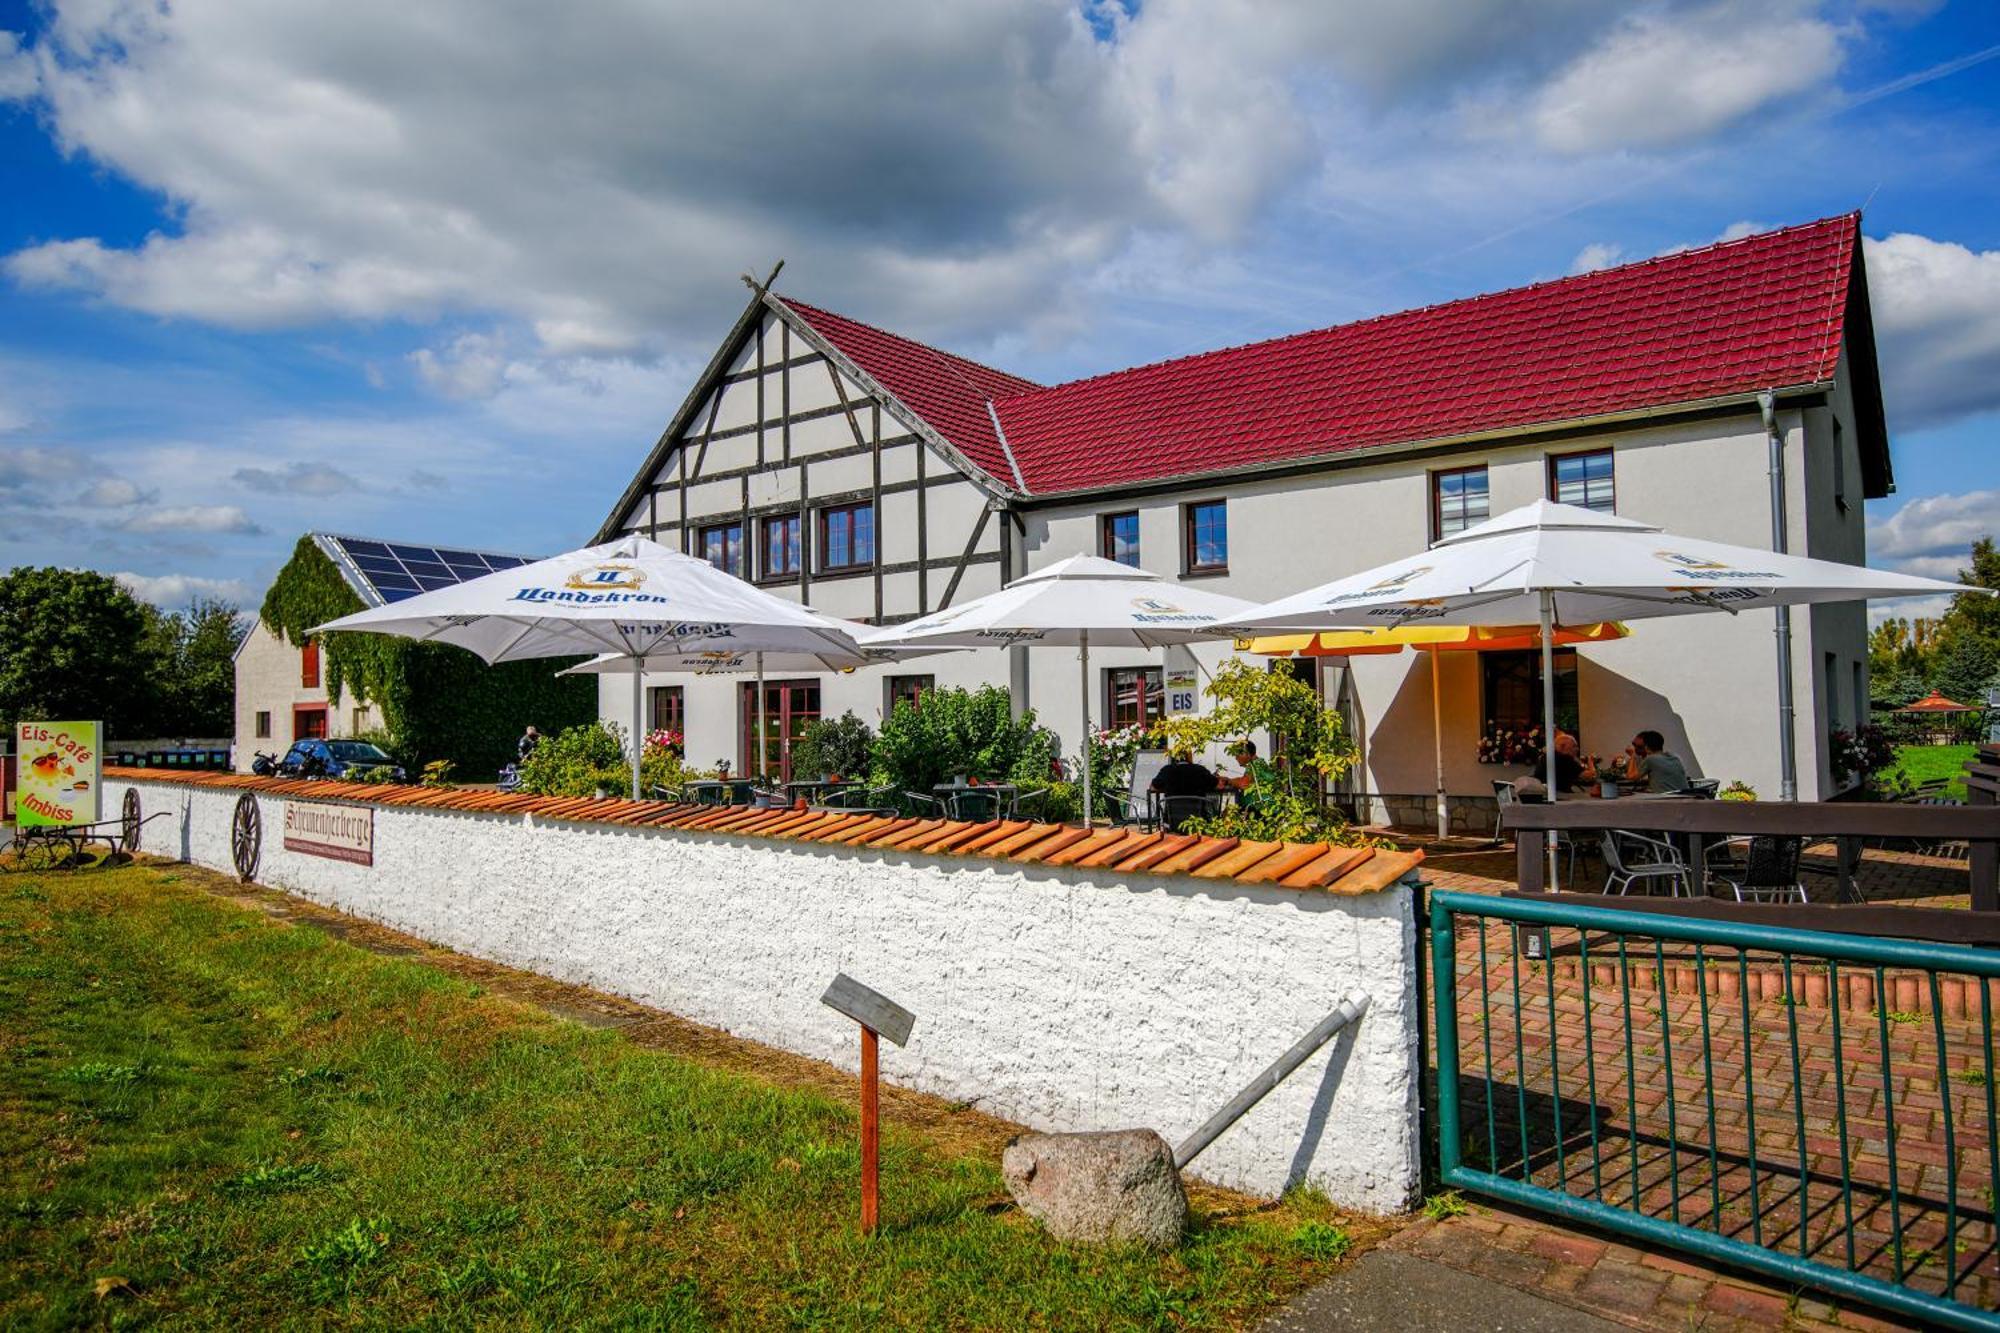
(1118, 1186)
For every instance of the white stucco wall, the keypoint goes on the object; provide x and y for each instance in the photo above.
(1059, 998)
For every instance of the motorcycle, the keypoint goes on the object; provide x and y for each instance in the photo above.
(265, 765)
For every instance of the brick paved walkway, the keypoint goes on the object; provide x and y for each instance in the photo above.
(1663, 1079)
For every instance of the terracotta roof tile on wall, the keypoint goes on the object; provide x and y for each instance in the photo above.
(1292, 865)
(1766, 311)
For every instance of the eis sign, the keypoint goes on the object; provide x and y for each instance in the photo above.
(59, 772)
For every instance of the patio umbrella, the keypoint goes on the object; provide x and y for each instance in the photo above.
(1080, 601)
(1564, 564)
(633, 597)
(1934, 702)
(1432, 639)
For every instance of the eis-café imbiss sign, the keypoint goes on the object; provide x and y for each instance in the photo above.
(58, 769)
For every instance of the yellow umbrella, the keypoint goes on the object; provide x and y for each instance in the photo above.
(1432, 639)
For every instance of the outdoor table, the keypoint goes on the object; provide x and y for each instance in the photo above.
(817, 789)
(721, 791)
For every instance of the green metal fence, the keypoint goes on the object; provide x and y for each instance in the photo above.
(1818, 1108)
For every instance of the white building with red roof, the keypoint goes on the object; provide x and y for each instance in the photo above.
(878, 478)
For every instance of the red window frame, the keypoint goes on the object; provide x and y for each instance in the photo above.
(844, 521)
(787, 530)
(1191, 561)
(1149, 696)
(1609, 481)
(732, 546)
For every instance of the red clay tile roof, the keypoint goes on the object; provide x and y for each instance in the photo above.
(1766, 311)
(1291, 865)
(949, 392)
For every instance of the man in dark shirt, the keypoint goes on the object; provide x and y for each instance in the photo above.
(1181, 776)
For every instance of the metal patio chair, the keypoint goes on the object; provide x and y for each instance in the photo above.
(1504, 795)
(1633, 858)
(1174, 811)
(976, 805)
(1759, 869)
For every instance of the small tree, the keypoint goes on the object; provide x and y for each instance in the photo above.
(1312, 747)
(74, 644)
(834, 747)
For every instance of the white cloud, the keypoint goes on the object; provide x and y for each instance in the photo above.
(1937, 530)
(114, 493)
(1937, 323)
(1664, 78)
(296, 479)
(173, 591)
(18, 80)
(472, 366)
(212, 519)
(944, 168)
(1597, 255)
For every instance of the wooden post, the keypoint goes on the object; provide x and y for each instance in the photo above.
(871, 1134)
(878, 1016)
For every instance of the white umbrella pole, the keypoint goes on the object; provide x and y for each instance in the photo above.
(1437, 742)
(1083, 657)
(763, 725)
(1549, 713)
(637, 739)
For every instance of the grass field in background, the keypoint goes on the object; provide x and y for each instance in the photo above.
(210, 1117)
(1924, 763)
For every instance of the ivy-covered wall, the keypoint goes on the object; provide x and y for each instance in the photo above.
(439, 702)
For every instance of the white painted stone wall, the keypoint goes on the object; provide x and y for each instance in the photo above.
(1058, 998)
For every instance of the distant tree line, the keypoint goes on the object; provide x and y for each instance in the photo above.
(76, 644)
(1957, 654)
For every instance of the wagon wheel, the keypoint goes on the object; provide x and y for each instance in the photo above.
(246, 837)
(131, 821)
(40, 850)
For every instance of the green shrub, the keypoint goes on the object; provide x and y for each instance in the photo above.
(576, 762)
(437, 773)
(970, 732)
(375, 775)
(842, 746)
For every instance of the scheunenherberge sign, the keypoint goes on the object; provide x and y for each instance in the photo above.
(337, 832)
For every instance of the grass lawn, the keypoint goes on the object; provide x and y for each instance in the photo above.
(1924, 763)
(210, 1116)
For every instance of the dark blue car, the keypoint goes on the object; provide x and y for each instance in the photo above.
(315, 758)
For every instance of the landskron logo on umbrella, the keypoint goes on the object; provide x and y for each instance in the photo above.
(606, 578)
(1153, 611)
(595, 584)
(1394, 583)
(1694, 567)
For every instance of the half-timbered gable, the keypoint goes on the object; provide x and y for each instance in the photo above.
(799, 469)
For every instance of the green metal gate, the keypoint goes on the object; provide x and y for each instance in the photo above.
(1818, 1108)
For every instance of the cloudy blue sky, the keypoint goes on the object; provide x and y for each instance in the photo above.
(441, 271)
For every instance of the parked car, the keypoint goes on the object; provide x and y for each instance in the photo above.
(336, 759)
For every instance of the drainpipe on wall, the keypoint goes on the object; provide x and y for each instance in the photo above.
(1788, 766)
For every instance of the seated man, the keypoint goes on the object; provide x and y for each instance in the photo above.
(1181, 776)
(1647, 761)
(1569, 767)
(1255, 773)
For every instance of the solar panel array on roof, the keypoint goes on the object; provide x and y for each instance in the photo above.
(396, 571)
